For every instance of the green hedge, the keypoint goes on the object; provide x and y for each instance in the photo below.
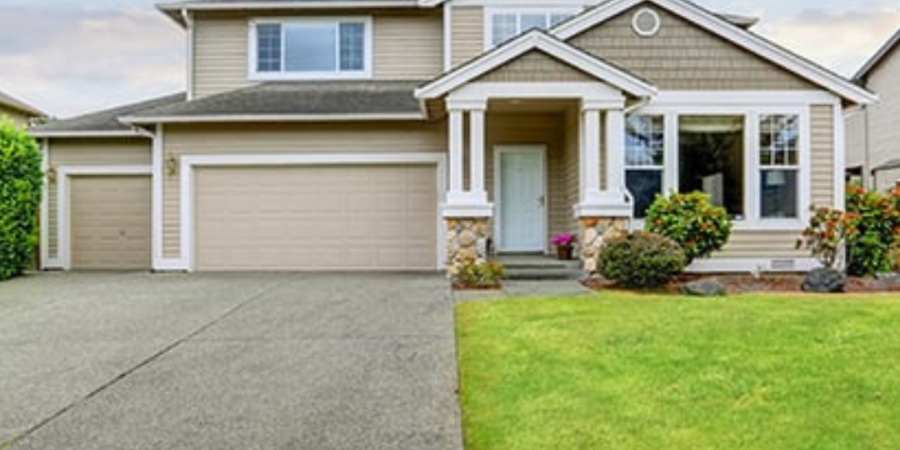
(20, 197)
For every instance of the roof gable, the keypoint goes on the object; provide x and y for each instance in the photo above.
(738, 36)
(886, 51)
(526, 44)
(16, 104)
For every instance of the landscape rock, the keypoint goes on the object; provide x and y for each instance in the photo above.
(825, 281)
(889, 277)
(704, 288)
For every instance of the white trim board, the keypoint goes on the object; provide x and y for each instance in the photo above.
(190, 162)
(751, 265)
(46, 261)
(229, 118)
(86, 134)
(722, 28)
(541, 41)
(64, 207)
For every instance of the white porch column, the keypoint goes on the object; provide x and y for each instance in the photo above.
(455, 192)
(589, 159)
(476, 161)
(615, 152)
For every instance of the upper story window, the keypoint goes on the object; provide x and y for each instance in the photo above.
(311, 48)
(504, 24)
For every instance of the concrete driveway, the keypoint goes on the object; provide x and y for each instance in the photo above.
(227, 361)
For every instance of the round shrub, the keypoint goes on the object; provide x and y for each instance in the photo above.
(691, 220)
(20, 197)
(641, 260)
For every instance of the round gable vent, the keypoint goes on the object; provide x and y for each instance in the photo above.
(646, 22)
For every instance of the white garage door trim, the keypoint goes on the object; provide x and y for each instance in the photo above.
(64, 176)
(191, 162)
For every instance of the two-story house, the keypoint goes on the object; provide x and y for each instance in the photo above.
(405, 134)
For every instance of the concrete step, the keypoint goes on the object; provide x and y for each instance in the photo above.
(541, 274)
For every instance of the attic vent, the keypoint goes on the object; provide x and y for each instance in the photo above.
(646, 22)
(784, 265)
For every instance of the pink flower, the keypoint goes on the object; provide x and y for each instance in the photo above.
(563, 240)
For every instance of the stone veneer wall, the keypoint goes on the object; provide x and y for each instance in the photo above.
(595, 231)
(467, 242)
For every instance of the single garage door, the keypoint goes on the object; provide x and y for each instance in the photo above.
(374, 217)
(110, 222)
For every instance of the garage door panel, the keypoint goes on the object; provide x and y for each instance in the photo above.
(110, 222)
(316, 218)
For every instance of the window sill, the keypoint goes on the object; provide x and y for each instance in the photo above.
(792, 225)
(309, 76)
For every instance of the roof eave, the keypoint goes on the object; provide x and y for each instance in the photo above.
(85, 134)
(261, 118)
(877, 58)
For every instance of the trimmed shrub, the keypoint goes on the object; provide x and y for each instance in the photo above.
(691, 220)
(480, 275)
(20, 197)
(641, 260)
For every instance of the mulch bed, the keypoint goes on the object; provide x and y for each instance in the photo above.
(743, 284)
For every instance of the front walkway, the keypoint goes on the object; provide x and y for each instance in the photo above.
(243, 361)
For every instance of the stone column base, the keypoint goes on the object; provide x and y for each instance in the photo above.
(467, 242)
(595, 231)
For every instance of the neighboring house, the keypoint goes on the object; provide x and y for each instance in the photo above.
(873, 131)
(402, 134)
(21, 113)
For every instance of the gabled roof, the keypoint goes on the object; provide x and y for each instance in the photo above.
(553, 47)
(174, 9)
(101, 123)
(886, 50)
(293, 101)
(14, 103)
(738, 36)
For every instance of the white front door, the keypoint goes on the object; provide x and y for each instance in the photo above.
(521, 190)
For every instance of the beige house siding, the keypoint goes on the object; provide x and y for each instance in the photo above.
(535, 67)
(467, 37)
(91, 152)
(281, 139)
(18, 117)
(762, 245)
(822, 158)
(877, 128)
(684, 57)
(405, 47)
(408, 47)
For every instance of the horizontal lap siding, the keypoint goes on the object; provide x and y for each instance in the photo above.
(467, 37)
(683, 57)
(763, 245)
(91, 152)
(406, 47)
(822, 172)
(285, 139)
(16, 116)
(884, 117)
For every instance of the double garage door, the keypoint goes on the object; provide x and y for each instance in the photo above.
(341, 217)
(373, 217)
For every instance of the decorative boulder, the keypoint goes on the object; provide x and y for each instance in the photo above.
(892, 278)
(704, 288)
(824, 281)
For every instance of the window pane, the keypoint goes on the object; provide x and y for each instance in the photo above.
(353, 41)
(504, 27)
(711, 159)
(644, 185)
(268, 47)
(644, 141)
(310, 48)
(556, 19)
(779, 137)
(531, 21)
(779, 194)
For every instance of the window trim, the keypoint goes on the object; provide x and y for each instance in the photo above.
(490, 12)
(753, 220)
(368, 60)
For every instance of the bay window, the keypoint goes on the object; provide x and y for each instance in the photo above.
(311, 48)
(505, 24)
(644, 160)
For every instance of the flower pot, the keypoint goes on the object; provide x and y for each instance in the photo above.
(564, 253)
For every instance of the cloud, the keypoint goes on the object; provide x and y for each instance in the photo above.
(72, 60)
(841, 41)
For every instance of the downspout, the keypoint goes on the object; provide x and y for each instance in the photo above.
(189, 25)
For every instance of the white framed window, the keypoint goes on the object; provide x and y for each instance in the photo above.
(310, 48)
(503, 24)
(644, 159)
(779, 166)
(753, 160)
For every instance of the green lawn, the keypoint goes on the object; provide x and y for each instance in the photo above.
(632, 372)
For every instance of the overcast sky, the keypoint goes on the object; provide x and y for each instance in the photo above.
(72, 56)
